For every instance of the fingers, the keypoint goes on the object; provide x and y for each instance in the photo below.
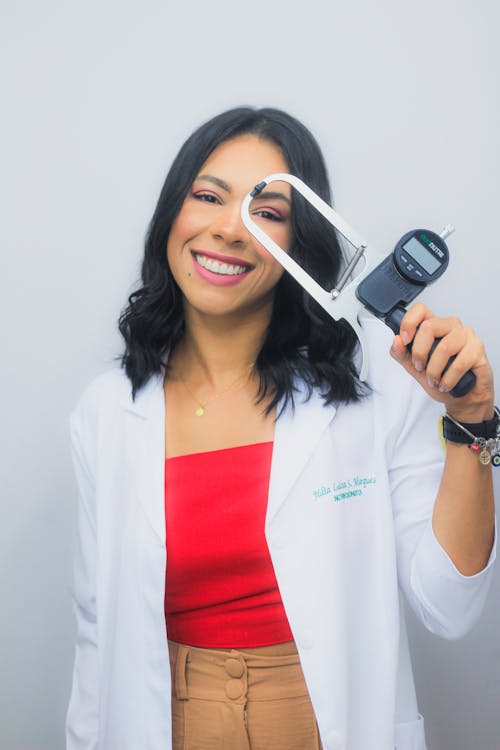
(412, 320)
(433, 342)
(467, 350)
(451, 336)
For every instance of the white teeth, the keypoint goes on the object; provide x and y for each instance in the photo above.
(226, 269)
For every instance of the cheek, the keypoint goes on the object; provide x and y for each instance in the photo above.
(183, 229)
(189, 221)
(282, 235)
(272, 271)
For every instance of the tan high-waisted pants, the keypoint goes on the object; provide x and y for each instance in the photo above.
(240, 700)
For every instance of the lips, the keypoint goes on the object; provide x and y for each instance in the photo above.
(220, 270)
(221, 265)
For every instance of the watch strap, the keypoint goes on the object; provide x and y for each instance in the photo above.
(467, 432)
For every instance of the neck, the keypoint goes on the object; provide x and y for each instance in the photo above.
(215, 351)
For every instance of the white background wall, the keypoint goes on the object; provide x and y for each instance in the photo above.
(97, 98)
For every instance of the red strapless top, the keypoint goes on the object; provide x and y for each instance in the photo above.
(221, 590)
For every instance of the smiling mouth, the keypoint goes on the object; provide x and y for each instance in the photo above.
(223, 268)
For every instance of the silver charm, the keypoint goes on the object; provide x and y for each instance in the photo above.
(495, 451)
(485, 456)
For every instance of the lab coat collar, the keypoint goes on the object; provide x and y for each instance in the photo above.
(148, 399)
(297, 433)
(146, 449)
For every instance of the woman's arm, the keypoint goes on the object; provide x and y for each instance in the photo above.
(82, 718)
(463, 517)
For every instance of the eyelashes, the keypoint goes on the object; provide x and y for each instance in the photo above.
(268, 215)
(265, 213)
(206, 197)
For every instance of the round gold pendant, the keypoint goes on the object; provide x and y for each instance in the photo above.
(200, 411)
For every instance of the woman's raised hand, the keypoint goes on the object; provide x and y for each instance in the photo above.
(421, 327)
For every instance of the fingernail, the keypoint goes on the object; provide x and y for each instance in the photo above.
(432, 381)
(405, 338)
(418, 365)
(444, 388)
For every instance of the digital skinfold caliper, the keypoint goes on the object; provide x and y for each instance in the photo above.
(385, 284)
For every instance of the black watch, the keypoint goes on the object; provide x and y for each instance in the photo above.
(488, 429)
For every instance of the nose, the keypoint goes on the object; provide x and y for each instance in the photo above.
(228, 226)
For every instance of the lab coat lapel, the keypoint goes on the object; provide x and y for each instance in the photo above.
(145, 425)
(296, 436)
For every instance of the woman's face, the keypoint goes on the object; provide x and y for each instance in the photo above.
(219, 266)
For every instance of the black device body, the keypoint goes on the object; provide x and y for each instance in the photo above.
(419, 258)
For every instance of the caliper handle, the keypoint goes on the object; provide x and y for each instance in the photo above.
(466, 382)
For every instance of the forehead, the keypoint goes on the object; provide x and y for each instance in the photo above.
(244, 161)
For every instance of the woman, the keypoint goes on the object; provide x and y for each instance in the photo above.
(293, 504)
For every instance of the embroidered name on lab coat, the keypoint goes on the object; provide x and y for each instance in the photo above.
(345, 489)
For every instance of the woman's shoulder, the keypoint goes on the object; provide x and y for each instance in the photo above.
(396, 396)
(384, 373)
(111, 383)
(105, 391)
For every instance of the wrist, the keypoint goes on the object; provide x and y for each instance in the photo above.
(483, 436)
(473, 414)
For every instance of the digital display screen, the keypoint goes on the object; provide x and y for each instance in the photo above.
(424, 257)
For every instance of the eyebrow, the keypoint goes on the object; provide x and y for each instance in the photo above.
(272, 194)
(264, 195)
(215, 181)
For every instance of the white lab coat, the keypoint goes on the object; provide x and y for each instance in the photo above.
(348, 528)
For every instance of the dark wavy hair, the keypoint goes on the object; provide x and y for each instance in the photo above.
(302, 341)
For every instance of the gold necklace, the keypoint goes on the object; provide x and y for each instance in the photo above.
(200, 410)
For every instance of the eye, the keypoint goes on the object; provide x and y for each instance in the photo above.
(202, 195)
(270, 215)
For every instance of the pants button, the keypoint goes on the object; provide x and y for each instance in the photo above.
(234, 667)
(235, 689)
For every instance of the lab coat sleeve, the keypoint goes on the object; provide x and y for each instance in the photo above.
(447, 602)
(82, 717)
